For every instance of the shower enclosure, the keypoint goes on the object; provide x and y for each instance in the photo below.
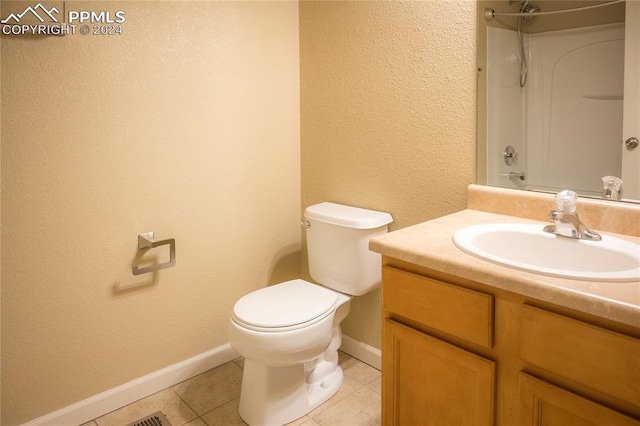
(566, 122)
(557, 100)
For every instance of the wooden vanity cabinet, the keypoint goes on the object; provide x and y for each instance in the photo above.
(455, 352)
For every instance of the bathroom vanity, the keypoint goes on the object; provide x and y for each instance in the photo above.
(470, 342)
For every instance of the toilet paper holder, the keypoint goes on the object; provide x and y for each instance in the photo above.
(146, 241)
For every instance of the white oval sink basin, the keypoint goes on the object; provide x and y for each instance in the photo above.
(526, 246)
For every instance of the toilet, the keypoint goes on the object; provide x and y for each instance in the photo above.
(289, 333)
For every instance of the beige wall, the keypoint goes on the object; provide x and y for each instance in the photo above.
(195, 124)
(186, 125)
(388, 112)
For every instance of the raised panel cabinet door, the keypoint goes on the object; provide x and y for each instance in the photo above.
(543, 404)
(427, 381)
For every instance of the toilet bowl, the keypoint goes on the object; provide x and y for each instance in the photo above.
(291, 366)
(289, 333)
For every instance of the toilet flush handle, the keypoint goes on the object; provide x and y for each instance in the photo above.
(306, 224)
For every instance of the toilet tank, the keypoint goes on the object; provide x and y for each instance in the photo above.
(338, 246)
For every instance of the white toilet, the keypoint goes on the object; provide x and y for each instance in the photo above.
(289, 333)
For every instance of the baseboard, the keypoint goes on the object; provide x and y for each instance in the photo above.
(362, 351)
(105, 402)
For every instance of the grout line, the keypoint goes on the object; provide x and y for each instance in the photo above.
(185, 402)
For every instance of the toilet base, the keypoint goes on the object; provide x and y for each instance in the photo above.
(273, 396)
(268, 402)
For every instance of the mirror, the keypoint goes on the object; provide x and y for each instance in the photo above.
(550, 96)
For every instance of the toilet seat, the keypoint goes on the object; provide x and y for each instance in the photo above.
(290, 305)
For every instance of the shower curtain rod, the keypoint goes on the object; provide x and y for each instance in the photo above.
(489, 14)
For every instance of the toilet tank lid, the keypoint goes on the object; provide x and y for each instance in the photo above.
(347, 216)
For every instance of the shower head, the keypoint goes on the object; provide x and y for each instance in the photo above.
(529, 8)
(525, 7)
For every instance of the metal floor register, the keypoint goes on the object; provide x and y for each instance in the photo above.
(155, 419)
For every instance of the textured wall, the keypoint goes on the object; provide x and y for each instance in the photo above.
(388, 92)
(186, 125)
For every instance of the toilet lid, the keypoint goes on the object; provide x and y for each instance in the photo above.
(290, 303)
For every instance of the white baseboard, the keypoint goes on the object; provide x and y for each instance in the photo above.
(105, 402)
(362, 351)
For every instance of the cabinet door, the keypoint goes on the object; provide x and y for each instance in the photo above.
(542, 404)
(429, 382)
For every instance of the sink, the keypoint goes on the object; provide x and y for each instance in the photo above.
(527, 247)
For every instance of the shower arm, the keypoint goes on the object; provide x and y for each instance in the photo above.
(489, 14)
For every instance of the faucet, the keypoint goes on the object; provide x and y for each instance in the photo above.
(566, 221)
(612, 188)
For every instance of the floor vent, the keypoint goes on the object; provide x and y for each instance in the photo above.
(155, 419)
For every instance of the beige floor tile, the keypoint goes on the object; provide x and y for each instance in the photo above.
(348, 387)
(91, 423)
(211, 389)
(301, 421)
(225, 415)
(239, 362)
(176, 411)
(375, 385)
(196, 422)
(343, 357)
(360, 371)
(307, 422)
(360, 408)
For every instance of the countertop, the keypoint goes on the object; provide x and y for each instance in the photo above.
(430, 244)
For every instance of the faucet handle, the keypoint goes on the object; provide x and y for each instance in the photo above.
(566, 201)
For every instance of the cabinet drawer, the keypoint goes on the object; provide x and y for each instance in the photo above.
(596, 357)
(543, 404)
(446, 307)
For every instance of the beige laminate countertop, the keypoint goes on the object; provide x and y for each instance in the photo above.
(430, 244)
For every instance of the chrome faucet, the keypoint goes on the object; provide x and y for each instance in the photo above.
(612, 188)
(566, 221)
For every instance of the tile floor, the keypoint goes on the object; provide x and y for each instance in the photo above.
(211, 399)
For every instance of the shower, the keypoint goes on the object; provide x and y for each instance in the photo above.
(528, 12)
(525, 8)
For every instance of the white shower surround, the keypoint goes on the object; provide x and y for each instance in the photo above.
(573, 94)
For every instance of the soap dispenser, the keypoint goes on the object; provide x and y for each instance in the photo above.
(612, 188)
